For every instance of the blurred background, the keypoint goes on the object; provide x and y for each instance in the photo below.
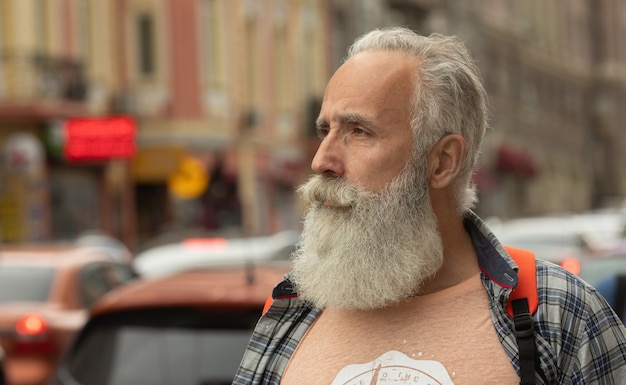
(154, 120)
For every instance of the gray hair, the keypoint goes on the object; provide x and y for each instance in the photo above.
(449, 97)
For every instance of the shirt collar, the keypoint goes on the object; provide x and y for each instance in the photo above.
(493, 260)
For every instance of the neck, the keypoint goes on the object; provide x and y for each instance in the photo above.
(460, 261)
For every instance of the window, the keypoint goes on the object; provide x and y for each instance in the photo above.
(84, 26)
(145, 44)
(3, 23)
(42, 27)
(93, 285)
(212, 46)
(282, 71)
(212, 42)
(28, 284)
(182, 345)
(98, 279)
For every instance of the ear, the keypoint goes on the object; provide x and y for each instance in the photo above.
(444, 160)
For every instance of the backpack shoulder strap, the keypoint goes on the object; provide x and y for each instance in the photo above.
(523, 302)
(268, 304)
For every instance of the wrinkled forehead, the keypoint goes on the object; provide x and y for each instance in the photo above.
(377, 71)
(375, 84)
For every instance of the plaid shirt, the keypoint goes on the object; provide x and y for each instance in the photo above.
(579, 338)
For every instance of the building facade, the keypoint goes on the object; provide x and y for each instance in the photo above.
(224, 85)
(555, 75)
(50, 72)
(223, 95)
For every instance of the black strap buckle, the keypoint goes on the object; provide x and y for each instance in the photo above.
(524, 325)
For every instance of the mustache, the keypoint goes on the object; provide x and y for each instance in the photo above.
(320, 190)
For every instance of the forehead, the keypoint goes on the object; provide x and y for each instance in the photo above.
(377, 80)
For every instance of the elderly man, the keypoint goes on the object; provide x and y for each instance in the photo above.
(396, 280)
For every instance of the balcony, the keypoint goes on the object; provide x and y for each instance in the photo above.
(35, 87)
(25, 76)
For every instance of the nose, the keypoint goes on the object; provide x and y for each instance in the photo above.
(327, 159)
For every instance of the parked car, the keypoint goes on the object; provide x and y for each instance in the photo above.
(45, 293)
(209, 252)
(99, 239)
(564, 239)
(187, 328)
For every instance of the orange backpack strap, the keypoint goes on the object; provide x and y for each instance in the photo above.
(283, 290)
(268, 304)
(527, 279)
(522, 304)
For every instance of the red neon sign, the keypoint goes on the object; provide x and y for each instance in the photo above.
(100, 138)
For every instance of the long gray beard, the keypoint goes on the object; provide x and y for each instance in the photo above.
(366, 250)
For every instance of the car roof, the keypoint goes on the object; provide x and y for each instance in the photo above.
(195, 253)
(224, 287)
(594, 227)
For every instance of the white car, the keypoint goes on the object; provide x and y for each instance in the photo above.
(195, 253)
(558, 238)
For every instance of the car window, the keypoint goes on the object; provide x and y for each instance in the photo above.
(21, 283)
(168, 346)
(99, 278)
(122, 273)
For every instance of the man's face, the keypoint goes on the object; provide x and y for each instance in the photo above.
(370, 237)
(364, 122)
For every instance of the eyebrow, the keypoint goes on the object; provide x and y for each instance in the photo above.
(344, 118)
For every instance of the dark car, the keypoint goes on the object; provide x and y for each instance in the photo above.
(45, 293)
(3, 380)
(187, 328)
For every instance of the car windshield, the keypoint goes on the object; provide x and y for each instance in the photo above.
(175, 346)
(29, 284)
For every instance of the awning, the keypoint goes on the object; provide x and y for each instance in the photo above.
(516, 161)
(484, 179)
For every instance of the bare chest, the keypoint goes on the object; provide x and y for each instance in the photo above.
(445, 338)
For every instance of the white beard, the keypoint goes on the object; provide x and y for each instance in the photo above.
(364, 250)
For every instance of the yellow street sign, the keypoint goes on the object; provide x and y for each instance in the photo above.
(190, 180)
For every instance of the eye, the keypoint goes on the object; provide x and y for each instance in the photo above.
(322, 132)
(358, 131)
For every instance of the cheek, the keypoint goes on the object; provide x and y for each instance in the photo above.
(374, 173)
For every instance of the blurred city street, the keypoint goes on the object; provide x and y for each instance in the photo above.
(171, 135)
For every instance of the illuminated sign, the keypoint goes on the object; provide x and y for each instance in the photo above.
(100, 138)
